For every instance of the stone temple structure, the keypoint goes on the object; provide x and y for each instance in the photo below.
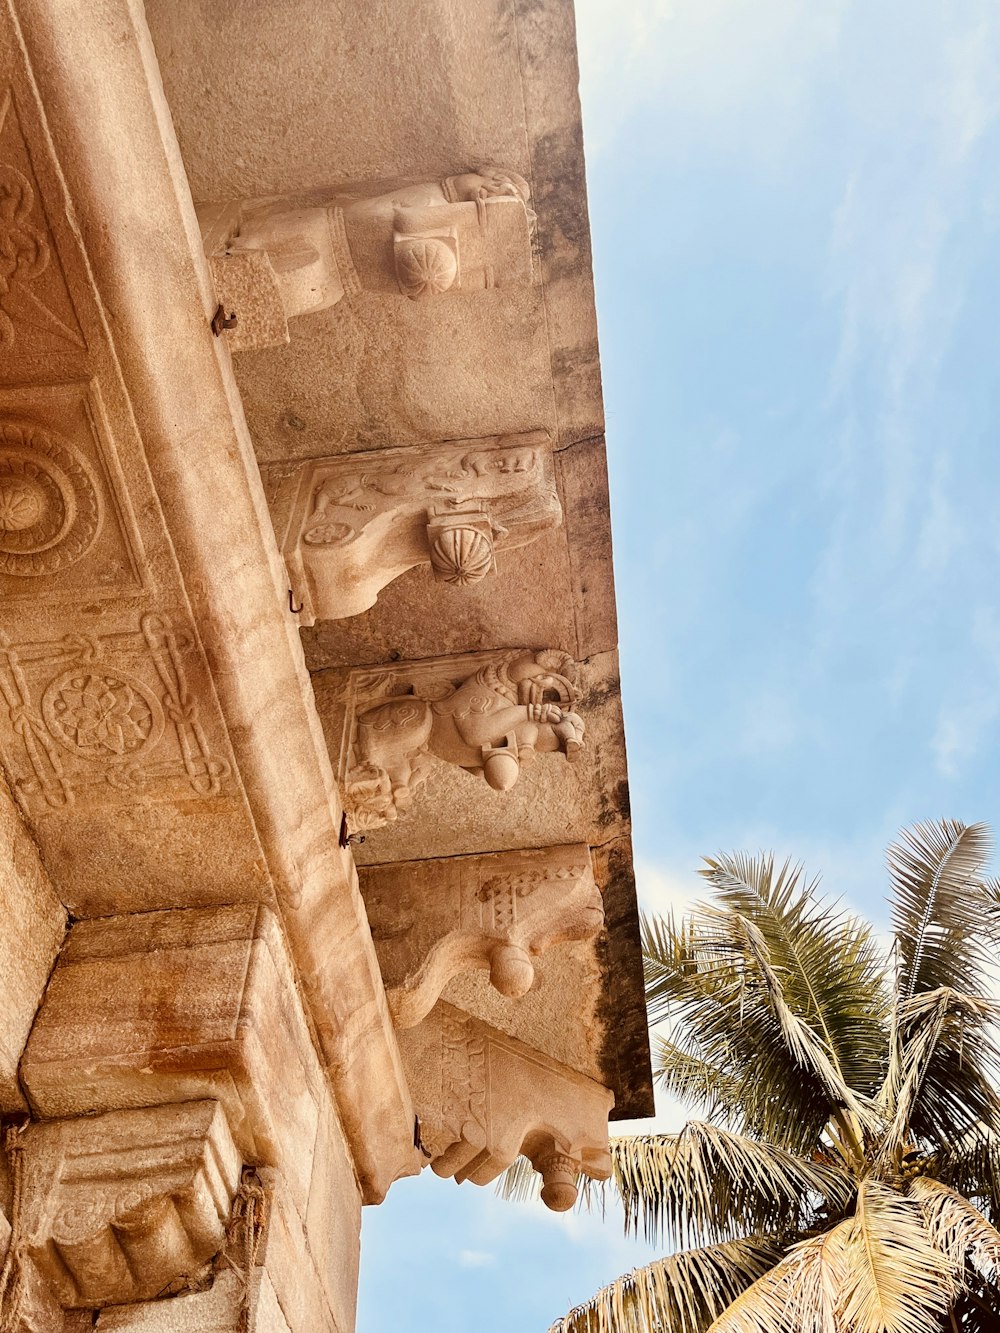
(314, 843)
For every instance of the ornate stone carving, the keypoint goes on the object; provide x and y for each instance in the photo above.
(24, 251)
(121, 1206)
(102, 715)
(432, 920)
(36, 311)
(350, 525)
(420, 239)
(482, 1098)
(461, 549)
(487, 713)
(94, 712)
(50, 512)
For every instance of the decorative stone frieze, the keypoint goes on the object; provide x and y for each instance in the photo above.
(275, 259)
(488, 713)
(432, 920)
(351, 524)
(119, 1207)
(482, 1098)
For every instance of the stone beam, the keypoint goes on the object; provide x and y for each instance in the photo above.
(32, 923)
(169, 1006)
(168, 512)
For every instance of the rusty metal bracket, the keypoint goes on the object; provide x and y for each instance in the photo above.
(349, 839)
(221, 321)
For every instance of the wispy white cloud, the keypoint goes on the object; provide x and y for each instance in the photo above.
(705, 62)
(901, 283)
(969, 717)
(476, 1259)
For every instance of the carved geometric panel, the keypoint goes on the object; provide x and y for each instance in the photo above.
(107, 717)
(38, 323)
(66, 529)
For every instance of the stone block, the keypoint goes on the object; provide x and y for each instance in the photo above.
(333, 1220)
(119, 1207)
(218, 1310)
(171, 1006)
(295, 1268)
(32, 923)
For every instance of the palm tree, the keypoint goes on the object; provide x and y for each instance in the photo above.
(844, 1176)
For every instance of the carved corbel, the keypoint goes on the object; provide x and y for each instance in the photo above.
(432, 920)
(122, 1206)
(483, 1098)
(349, 525)
(275, 259)
(487, 713)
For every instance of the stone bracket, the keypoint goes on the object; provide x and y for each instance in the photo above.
(483, 1098)
(432, 920)
(121, 1206)
(350, 525)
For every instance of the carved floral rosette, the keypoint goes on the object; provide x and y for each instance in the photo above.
(92, 716)
(50, 509)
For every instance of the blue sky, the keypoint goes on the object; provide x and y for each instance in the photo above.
(796, 216)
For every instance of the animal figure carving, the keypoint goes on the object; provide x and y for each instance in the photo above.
(493, 722)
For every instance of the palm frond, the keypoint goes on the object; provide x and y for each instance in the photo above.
(797, 1295)
(970, 1164)
(944, 1068)
(958, 1229)
(895, 1280)
(520, 1183)
(682, 1293)
(832, 967)
(739, 936)
(696, 1082)
(938, 906)
(708, 1184)
(728, 1021)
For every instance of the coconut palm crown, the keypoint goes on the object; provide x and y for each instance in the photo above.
(843, 1175)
